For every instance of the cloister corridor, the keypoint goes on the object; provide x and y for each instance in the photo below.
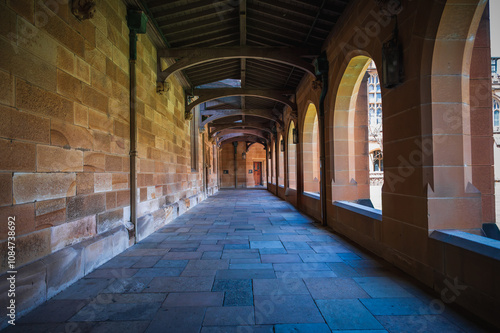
(245, 261)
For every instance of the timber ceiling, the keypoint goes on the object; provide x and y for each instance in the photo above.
(190, 27)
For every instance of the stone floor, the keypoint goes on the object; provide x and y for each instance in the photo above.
(244, 261)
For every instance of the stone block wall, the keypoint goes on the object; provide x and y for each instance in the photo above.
(65, 132)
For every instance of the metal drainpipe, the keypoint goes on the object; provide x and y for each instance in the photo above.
(277, 159)
(133, 132)
(322, 71)
(235, 144)
(203, 162)
(136, 21)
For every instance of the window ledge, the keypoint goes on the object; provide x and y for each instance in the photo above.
(373, 213)
(481, 245)
(312, 195)
(282, 186)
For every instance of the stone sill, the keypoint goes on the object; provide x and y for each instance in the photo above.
(312, 195)
(372, 213)
(483, 246)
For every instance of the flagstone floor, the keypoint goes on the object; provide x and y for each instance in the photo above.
(245, 261)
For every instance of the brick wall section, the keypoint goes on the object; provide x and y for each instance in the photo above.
(64, 135)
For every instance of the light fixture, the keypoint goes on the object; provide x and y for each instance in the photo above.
(244, 155)
(295, 135)
(282, 145)
(392, 61)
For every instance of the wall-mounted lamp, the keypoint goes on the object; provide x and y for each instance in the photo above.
(282, 145)
(244, 155)
(392, 61)
(295, 135)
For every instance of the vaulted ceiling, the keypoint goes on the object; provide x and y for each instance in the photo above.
(264, 48)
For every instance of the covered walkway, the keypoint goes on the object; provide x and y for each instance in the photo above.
(244, 261)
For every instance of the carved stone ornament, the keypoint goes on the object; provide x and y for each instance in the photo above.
(84, 9)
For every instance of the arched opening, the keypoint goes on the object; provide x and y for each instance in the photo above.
(292, 158)
(459, 191)
(357, 132)
(273, 162)
(281, 164)
(375, 134)
(311, 151)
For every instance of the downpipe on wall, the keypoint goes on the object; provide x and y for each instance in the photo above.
(321, 66)
(136, 21)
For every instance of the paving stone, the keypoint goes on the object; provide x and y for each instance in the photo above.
(210, 255)
(238, 329)
(233, 285)
(146, 262)
(321, 257)
(172, 263)
(334, 288)
(182, 255)
(343, 270)
(381, 287)
(285, 309)
(272, 251)
(199, 299)
(238, 298)
(180, 284)
(398, 307)
(84, 289)
(208, 264)
(301, 267)
(251, 266)
(177, 320)
(56, 311)
(349, 256)
(116, 312)
(303, 328)
(429, 323)
(347, 314)
(266, 245)
(119, 327)
(245, 274)
(279, 287)
(129, 285)
(229, 316)
(280, 258)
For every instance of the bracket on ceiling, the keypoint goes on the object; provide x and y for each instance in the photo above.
(162, 87)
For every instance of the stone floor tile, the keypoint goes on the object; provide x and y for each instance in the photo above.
(232, 285)
(245, 274)
(279, 287)
(129, 285)
(272, 251)
(347, 314)
(132, 298)
(428, 324)
(381, 287)
(229, 316)
(280, 258)
(211, 255)
(146, 262)
(301, 267)
(35, 328)
(250, 266)
(179, 284)
(302, 328)
(238, 298)
(303, 275)
(57, 311)
(182, 255)
(159, 271)
(238, 329)
(185, 320)
(301, 246)
(121, 262)
(198, 272)
(84, 289)
(343, 270)
(118, 327)
(334, 288)
(320, 257)
(117, 312)
(200, 299)
(208, 264)
(266, 245)
(112, 273)
(171, 263)
(398, 307)
(285, 309)
(330, 249)
(349, 256)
